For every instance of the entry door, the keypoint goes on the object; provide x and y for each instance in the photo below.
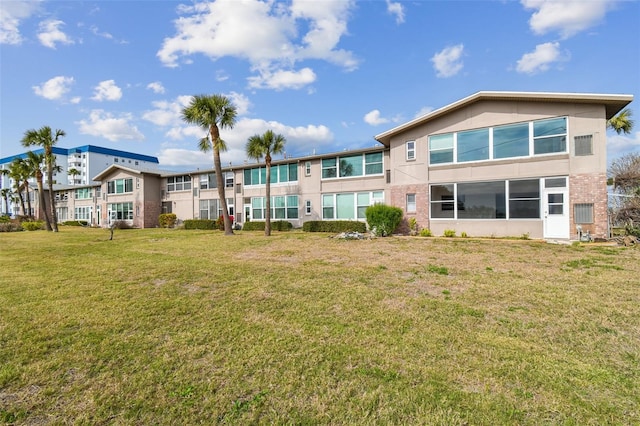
(556, 213)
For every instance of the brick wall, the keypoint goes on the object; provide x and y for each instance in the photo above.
(590, 188)
(399, 199)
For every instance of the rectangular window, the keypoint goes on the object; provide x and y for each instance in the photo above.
(329, 168)
(441, 149)
(411, 150)
(120, 186)
(555, 182)
(82, 213)
(583, 213)
(328, 206)
(345, 206)
(293, 172)
(481, 200)
(292, 206)
(120, 211)
(307, 207)
(179, 183)
(208, 181)
(282, 207)
(583, 145)
(411, 203)
(550, 136)
(524, 199)
(349, 206)
(83, 193)
(307, 168)
(473, 145)
(351, 166)
(280, 173)
(511, 141)
(373, 163)
(364, 201)
(442, 201)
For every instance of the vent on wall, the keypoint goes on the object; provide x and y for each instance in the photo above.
(583, 145)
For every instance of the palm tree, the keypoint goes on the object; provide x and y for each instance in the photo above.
(263, 146)
(17, 171)
(45, 138)
(5, 193)
(213, 113)
(34, 162)
(622, 122)
(73, 172)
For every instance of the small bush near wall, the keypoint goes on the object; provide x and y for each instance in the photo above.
(279, 225)
(167, 220)
(34, 225)
(5, 219)
(383, 219)
(10, 227)
(199, 224)
(334, 226)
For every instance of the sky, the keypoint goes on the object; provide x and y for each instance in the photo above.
(327, 75)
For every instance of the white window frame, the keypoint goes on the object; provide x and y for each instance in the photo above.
(411, 150)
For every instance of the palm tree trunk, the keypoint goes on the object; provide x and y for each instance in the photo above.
(41, 201)
(215, 135)
(26, 187)
(52, 197)
(267, 214)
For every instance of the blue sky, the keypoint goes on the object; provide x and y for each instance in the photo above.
(328, 75)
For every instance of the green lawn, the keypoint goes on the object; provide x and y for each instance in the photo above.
(191, 327)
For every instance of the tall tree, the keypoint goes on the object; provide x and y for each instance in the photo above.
(212, 113)
(5, 193)
(17, 171)
(34, 162)
(45, 138)
(260, 146)
(621, 122)
(73, 172)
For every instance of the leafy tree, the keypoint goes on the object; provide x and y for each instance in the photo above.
(263, 146)
(34, 163)
(46, 139)
(5, 193)
(622, 122)
(624, 172)
(213, 113)
(17, 172)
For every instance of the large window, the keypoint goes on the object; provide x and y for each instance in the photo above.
(353, 165)
(211, 209)
(209, 180)
(120, 211)
(349, 205)
(179, 183)
(514, 199)
(515, 140)
(282, 207)
(82, 213)
(120, 186)
(83, 193)
(280, 173)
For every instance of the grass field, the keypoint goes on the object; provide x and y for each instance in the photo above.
(191, 327)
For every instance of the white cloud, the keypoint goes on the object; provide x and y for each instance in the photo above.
(423, 111)
(448, 62)
(373, 118)
(54, 88)
(281, 79)
(271, 36)
(568, 17)
(49, 34)
(75, 100)
(173, 157)
(396, 9)
(241, 102)
(541, 58)
(619, 145)
(107, 91)
(11, 15)
(156, 86)
(105, 125)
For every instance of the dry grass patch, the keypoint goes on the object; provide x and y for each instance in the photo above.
(185, 327)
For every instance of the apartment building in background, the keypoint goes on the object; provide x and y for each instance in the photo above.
(492, 164)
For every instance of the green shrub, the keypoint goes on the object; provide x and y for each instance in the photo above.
(426, 232)
(33, 225)
(5, 218)
(334, 226)
(463, 235)
(632, 230)
(10, 227)
(449, 233)
(199, 224)
(414, 228)
(279, 225)
(383, 219)
(167, 220)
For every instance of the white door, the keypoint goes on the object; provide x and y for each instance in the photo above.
(556, 213)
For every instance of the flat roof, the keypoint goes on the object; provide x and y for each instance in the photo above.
(87, 148)
(613, 104)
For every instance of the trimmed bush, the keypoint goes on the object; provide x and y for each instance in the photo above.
(426, 232)
(75, 223)
(200, 224)
(5, 218)
(383, 219)
(10, 227)
(334, 226)
(449, 233)
(167, 220)
(279, 225)
(33, 225)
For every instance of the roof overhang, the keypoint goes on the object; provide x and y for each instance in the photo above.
(613, 104)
